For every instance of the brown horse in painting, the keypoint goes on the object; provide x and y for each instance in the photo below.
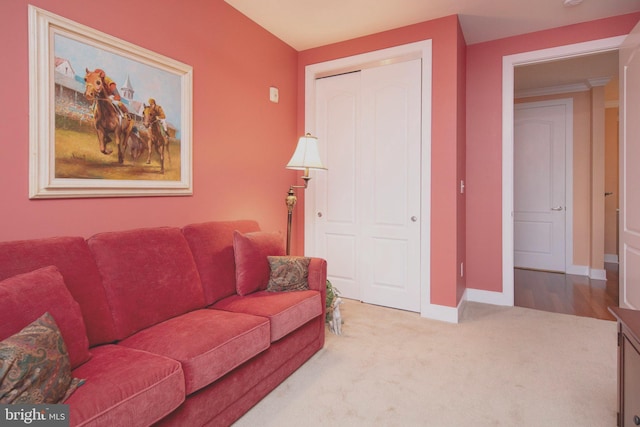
(157, 137)
(108, 118)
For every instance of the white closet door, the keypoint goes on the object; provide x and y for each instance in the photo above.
(390, 185)
(336, 190)
(367, 222)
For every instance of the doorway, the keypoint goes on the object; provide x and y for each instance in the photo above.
(509, 63)
(567, 293)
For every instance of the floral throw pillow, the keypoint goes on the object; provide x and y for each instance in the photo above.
(34, 365)
(288, 273)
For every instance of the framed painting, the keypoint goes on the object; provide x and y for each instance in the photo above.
(107, 118)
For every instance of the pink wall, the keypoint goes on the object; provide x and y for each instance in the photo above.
(234, 63)
(241, 141)
(484, 137)
(447, 233)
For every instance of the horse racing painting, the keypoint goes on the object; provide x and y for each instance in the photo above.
(108, 118)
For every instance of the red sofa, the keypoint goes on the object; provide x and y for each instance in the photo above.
(153, 322)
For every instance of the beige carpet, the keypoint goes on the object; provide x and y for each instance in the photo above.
(501, 366)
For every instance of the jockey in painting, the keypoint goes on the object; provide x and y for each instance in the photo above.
(109, 85)
(160, 115)
(111, 90)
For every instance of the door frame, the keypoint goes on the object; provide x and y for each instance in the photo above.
(568, 172)
(506, 297)
(422, 50)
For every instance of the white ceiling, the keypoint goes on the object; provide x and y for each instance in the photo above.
(304, 24)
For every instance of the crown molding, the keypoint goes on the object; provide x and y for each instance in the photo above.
(552, 90)
(568, 88)
(598, 81)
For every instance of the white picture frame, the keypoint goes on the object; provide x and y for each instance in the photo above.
(63, 162)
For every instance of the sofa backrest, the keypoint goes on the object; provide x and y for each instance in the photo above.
(212, 246)
(149, 276)
(75, 262)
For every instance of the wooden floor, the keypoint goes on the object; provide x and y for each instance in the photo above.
(564, 293)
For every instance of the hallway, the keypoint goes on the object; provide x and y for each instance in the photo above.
(569, 294)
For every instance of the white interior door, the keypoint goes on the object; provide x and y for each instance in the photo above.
(540, 140)
(367, 222)
(390, 184)
(630, 171)
(336, 231)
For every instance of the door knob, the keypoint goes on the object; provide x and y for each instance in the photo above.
(319, 214)
(414, 218)
(556, 208)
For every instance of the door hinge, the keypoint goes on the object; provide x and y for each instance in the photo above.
(620, 339)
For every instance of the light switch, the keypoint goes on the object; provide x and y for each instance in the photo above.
(273, 94)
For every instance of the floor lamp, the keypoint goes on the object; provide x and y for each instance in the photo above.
(304, 158)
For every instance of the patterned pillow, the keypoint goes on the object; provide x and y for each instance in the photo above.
(288, 273)
(34, 365)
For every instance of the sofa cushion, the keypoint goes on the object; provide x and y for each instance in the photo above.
(74, 260)
(212, 246)
(35, 365)
(251, 251)
(26, 297)
(208, 343)
(288, 273)
(286, 311)
(125, 387)
(149, 276)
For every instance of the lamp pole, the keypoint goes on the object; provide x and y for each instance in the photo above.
(291, 202)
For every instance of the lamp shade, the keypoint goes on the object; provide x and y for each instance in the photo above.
(306, 155)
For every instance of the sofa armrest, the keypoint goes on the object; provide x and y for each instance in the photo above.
(318, 279)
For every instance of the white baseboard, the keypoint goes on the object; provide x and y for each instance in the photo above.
(585, 270)
(612, 258)
(578, 270)
(488, 297)
(444, 313)
(597, 274)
